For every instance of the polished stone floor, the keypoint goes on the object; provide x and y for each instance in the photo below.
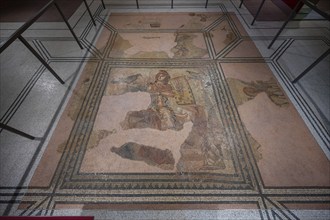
(32, 100)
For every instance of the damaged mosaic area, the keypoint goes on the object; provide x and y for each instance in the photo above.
(168, 116)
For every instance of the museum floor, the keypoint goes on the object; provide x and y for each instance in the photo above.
(166, 113)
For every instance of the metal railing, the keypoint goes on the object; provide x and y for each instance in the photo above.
(18, 35)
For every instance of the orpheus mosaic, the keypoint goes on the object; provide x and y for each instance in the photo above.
(176, 109)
